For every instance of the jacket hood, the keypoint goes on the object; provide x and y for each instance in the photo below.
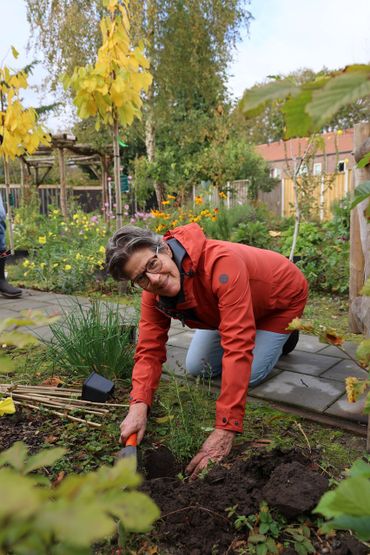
(193, 240)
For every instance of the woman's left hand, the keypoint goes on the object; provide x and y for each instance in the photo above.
(217, 446)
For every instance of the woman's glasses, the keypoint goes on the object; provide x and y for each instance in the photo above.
(154, 266)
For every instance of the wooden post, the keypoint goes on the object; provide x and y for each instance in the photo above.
(117, 174)
(62, 177)
(359, 315)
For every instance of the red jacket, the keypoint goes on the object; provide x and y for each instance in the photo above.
(230, 287)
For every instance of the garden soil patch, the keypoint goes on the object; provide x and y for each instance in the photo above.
(194, 518)
(22, 426)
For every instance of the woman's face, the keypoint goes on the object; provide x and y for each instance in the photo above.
(165, 282)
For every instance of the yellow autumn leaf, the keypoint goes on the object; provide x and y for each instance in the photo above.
(14, 52)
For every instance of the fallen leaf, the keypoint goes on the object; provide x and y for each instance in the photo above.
(54, 381)
(59, 478)
(51, 439)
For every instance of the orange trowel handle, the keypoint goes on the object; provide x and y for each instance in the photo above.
(131, 440)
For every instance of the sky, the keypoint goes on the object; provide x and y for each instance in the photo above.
(285, 35)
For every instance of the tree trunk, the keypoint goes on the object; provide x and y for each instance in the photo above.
(117, 174)
(360, 244)
(9, 213)
(150, 147)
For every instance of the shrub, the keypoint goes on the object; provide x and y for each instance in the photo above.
(67, 255)
(38, 519)
(90, 339)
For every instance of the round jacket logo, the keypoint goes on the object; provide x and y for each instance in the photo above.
(224, 278)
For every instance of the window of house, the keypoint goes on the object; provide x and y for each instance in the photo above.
(277, 173)
(317, 168)
(342, 166)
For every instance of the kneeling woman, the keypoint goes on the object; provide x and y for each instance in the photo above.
(240, 299)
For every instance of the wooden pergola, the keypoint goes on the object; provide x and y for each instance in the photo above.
(65, 151)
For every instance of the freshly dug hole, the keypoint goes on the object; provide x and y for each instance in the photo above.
(194, 517)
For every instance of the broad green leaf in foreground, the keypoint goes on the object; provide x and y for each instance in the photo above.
(18, 339)
(362, 192)
(46, 457)
(364, 161)
(18, 495)
(135, 510)
(339, 91)
(15, 456)
(258, 97)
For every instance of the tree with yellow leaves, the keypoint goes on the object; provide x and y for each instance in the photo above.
(111, 89)
(19, 131)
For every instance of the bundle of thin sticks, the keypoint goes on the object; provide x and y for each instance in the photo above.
(58, 401)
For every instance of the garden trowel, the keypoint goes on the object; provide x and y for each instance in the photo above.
(130, 448)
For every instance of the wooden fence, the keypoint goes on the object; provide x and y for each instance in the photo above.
(280, 200)
(325, 193)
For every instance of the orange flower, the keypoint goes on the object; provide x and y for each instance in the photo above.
(198, 199)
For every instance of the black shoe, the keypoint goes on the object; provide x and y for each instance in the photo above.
(291, 343)
(8, 291)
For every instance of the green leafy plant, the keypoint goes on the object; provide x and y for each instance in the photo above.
(11, 336)
(188, 416)
(348, 505)
(38, 519)
(94, 338)
(267, 532)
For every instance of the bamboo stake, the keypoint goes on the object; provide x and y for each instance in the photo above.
(79, 401)
(61, 414)
(52, 403)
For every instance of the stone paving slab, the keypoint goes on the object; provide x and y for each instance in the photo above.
(181, 339)
(312, 377)
(176, 357)
(310, 392)
(344, 369)
(350, 411)
(331, 350)
(309, 343)
(313, 364)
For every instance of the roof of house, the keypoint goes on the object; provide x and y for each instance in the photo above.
(294, 148)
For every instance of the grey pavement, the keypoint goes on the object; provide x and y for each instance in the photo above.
(311, 378)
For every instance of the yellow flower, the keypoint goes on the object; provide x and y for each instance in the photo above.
(56, 212)
(42, 239)
(43, 265)
(171, 197)
(78, 256)
(350, 389)
(222, 195)
(198, 199)
(165, 202)
(67, 267)
(339, 132)
(26, 263)
(55, 265)
(75, 216)
(102, 249)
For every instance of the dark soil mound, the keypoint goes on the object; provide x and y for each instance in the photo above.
(294, 489)
(194, 517)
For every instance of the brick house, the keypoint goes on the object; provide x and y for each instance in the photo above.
(335, 158)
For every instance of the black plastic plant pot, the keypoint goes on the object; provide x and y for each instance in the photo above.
(96, 388)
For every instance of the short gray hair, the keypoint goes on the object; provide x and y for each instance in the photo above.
(124, 243)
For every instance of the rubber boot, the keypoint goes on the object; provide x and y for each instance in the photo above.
(7, 290)
(291, 343)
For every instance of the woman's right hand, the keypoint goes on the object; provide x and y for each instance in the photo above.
(135, 421)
